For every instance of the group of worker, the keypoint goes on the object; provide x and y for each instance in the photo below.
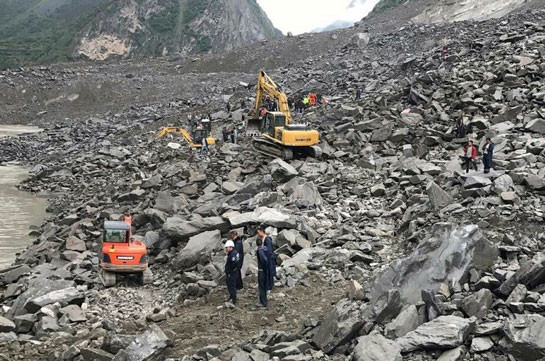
(230, 135)
(307, 101)
(266, 264)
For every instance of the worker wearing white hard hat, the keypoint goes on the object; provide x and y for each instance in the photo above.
(232, 270)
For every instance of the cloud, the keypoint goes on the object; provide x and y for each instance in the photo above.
(299, 16)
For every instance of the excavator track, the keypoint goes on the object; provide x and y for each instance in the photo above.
(147, 277)
(272, 149)
(108, 279)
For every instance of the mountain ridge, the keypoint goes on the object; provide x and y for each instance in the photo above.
(38, 31)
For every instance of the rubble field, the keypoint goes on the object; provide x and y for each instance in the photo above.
(387, 249)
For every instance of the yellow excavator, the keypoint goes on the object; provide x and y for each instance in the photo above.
(273, 131)
(194, 141)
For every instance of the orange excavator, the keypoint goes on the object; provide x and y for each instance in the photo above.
(121, 253)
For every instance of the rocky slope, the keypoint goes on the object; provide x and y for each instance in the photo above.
(387, 249)
(41, 31)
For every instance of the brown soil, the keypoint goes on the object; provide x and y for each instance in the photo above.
(209, 322)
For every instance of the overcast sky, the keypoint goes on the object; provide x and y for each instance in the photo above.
(300, 16)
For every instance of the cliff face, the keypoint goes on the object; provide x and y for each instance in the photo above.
(33, 31)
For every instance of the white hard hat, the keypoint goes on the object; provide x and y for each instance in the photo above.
(229, 244)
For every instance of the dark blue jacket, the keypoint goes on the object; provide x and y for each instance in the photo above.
(263, 259)
(232, 265)
(239, 246)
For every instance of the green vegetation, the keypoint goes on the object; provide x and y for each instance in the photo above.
(166, 20)
(27, 37)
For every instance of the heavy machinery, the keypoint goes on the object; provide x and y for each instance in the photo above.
(195, 140)
(121, 253)
(275, 134)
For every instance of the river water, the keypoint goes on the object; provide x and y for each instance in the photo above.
(18, 210)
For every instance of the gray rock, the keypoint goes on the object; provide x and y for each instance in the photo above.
(282, 171)
(518, 294)
(378, 190)
(536, 125)
(525, 337)
(481, 344)
(45, 325)
(478, 303)
(438, 197)
(355, 291)
(198, 248)
(445, 256)
(74, 313)
(177, 228)
(338, 327)
(64, 297)
(6, 325)
(24, 323)
(13, 274)
(476, 182)
(535, 182)
(306, 195)
(95, 354)
(407, 321)
(530, 274)
(375, 347)
(293, 239)
(443, 333)
(503, 183)
(73, 243)
(263, 215)
(456, 354)
(71, 353)
(148, 346)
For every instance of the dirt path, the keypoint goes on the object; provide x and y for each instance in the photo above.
(209, 322)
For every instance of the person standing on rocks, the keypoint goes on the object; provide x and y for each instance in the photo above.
(232, 271)
(239, 247)
(268, 243)
(262, 272)
(488, 153)
(470, 155)
(204, 146)
(228, 107)
(234, 135)
(225, 134)
(358, 94)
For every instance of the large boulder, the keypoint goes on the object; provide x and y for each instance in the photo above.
(178, 229)
(531, 274)
(438, 197)
(525, 335)
(198, 248)
(306, 195)
(12, 274)
(148, 346)
(282, 171)
(407, 320)
(64, 297)
(263, 215)
(443, 333)
(6, 325)
(339, 326)
(293, 239)
(36, 288)
(536, 125)
(445, 256)
(478, 303)
(375, 347)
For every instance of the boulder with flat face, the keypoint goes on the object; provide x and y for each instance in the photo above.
(148, 346)
(339, 326)
(64, 297)
(198, 248)
(525, 335)
(443, 333)
(375, 347)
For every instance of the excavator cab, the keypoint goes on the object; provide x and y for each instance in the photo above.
(273, 120)
(199, 134)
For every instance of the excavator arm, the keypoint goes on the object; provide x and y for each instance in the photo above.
(266, 86)
(178, 130)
